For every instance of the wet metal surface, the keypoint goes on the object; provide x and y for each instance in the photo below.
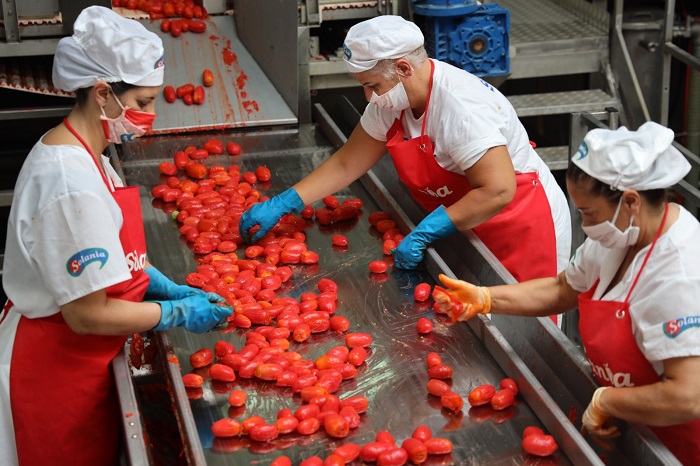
(242, 95)
(395, 375)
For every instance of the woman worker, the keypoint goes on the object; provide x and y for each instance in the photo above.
(636, 280)
(457, 145)
(76, 253)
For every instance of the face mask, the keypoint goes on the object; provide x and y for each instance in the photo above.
(608, 235)
(395, 99)
(129, 125)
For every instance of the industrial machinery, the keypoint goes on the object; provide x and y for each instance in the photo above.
(259, 54)
(467, 35)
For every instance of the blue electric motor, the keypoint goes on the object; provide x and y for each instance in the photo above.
(466, 34)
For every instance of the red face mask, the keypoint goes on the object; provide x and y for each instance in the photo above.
(129, 125)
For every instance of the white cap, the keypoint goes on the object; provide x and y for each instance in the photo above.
(641, 160)
(108, 47)
(379, 38)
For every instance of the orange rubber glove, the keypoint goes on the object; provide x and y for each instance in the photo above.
(595, 418)
(474, 299)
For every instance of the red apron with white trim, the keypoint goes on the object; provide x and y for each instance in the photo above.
(63, 398)
(521, 236)
(616, 360)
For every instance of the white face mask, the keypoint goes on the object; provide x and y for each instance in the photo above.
(608, 235)
(129, 125)
(395, 99)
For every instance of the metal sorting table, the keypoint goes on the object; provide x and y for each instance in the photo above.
(242, 95)
(395, 375)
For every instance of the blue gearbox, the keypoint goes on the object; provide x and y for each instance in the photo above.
(465, 34)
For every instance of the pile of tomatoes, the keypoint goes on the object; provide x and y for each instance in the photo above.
(188, 92)
(158, 9)
(177, 26)
(384, 450)
(208, 204)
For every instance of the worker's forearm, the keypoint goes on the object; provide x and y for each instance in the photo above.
(111, 316)
(659, 404)
(476, 207)
(537, 298)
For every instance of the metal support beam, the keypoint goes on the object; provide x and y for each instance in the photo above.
(27, 48)
(313, 14)
(630, 90)
(682, 55)
(10, 20)
(304, 90)
(666, 72)
(31, 113)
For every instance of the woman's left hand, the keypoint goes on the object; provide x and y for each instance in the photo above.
(410, 252)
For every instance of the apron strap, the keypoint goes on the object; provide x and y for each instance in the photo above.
(427, 101)
(87, 148)
(427, 104)
(646, 258)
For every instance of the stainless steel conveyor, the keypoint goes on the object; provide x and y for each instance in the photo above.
(395, 376)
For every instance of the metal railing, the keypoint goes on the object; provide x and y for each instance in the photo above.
(671, 51)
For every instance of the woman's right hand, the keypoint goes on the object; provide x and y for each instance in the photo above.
(474, 299)
(267, 214)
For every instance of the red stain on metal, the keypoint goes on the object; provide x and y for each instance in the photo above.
(241, 79)
(244, 94)
(231, 59)
(128, 415)
(220, 78)
(229, 56)
(251, 106)
(219, 127)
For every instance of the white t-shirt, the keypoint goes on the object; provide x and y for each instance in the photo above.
(668, 289)
(63, 231)
(466, 117)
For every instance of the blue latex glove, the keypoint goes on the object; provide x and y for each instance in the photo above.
(195, 313)
(267, 214)
(161, 287)
(409, 253)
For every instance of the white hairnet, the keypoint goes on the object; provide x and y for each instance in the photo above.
(380, 38)
(624, 159)
(107, 47)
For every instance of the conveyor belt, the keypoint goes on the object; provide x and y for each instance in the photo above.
(395, 377)
(242, 95)
(555, 383)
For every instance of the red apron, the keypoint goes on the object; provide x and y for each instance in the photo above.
(63, 398)
(521, 236)
(617, 361)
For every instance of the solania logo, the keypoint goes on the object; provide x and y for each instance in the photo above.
(135, 261)
(673, 328)
(440, 192)
(617, 379)
(78, 261)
